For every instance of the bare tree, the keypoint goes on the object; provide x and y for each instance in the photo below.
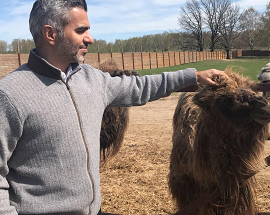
(191, 20)
(215, 11)
(250, 22)
(230, 28)
(3, 46)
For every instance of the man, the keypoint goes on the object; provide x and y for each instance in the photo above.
(51, 111)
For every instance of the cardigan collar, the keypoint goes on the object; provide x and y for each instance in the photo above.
(44, 68)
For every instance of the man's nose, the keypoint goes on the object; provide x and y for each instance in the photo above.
(88, 38)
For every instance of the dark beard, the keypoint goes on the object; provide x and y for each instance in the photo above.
(68, 51)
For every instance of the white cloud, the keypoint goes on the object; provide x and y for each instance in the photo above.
(23, 9)
(118, 7)
(114, 11)
(165, 24)
(168, 2)
(259, 5)
(15, 28)
(131, 17)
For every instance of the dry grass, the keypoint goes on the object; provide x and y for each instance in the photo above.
(135, 181)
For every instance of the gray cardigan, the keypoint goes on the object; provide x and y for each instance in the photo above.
(49, 133)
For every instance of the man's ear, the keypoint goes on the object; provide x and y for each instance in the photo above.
(49, 34)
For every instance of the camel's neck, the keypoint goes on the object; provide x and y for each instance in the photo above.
(224, 148)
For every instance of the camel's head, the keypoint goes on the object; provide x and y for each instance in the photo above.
(234, 98)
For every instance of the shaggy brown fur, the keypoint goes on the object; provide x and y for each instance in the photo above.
(218, 140)
(115, 119)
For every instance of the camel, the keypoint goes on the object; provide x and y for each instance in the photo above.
(218, 141)
(115, 119)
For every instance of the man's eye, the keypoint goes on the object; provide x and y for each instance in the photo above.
(80, 31)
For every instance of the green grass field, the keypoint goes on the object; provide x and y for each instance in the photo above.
(248, 66)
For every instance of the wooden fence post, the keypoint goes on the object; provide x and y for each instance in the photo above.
(98, 56)
(142, 59)
(133, 61)
(111, 51)
(169, 58)
(123, 62)
(163, 59)
(150, 61)
(19, 54)
(157, 59)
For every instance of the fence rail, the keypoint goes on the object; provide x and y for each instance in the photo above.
(127, 61)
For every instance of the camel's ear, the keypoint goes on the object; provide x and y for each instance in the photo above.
(261, 110)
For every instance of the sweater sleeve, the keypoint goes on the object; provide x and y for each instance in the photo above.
(134, 90)
(10, 131)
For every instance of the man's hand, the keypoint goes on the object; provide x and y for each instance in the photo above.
(205, 77)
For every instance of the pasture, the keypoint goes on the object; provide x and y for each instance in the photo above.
(135, 181)
(248, 66)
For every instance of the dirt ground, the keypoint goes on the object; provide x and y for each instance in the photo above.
(135, 181)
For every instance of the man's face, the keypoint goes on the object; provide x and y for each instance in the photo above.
(73, 46)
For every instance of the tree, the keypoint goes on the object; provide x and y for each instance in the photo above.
(185, 41)
(100, 46)
(250, 22)
(265, 28)
(165, 41)
(24, 45)
(192, 21)
(229, 28)
(215, 11)
(15, 43)
(3, 46)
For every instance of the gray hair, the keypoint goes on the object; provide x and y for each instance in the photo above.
(53, 13)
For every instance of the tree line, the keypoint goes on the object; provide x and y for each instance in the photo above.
(226, 26)
(204, 25)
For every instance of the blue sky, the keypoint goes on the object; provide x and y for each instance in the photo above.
(109, 19)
